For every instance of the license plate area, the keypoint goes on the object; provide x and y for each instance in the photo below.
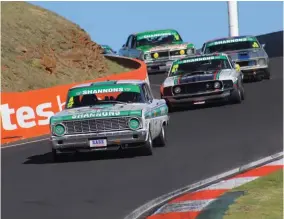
(97, 143)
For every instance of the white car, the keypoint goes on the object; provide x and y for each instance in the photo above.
(203, 79)
(109, 115)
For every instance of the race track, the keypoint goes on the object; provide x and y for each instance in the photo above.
(201, 143)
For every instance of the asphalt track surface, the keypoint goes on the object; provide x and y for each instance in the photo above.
(201, 143)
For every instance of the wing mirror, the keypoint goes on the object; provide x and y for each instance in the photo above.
(263, 45)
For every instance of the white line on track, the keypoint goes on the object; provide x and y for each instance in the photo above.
(23, 143)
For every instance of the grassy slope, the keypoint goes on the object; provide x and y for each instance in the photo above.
(41, 49)
(263, 199)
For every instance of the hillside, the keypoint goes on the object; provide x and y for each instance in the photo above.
(42, 49)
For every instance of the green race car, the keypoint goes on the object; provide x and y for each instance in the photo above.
(108, 50)
(158, 49)
(246, 51)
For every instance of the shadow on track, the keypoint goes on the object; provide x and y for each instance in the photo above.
(200, 107)
(83, 157)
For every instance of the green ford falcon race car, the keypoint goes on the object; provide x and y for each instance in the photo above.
(201, 80)
(158, 49)
(109, 115)
(245, 51)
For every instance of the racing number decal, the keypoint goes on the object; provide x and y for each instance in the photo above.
(175, 68)
(70, 102)
(255, 45)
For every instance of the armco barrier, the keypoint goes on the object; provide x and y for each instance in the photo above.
(26, 114)
(273, 43)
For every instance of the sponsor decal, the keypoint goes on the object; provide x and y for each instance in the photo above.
(28, 117)
(103, 89)
(200, 59)
(139, 37)
(231, 41)
(97, 113)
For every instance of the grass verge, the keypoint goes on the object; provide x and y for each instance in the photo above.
(263, 199)
(41, 49)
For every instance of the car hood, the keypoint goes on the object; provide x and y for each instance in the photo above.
(99, 111)
(164, 47)
(224, 74)
(246, 54)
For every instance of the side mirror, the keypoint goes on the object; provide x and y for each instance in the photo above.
(263, 45)
(123, 46)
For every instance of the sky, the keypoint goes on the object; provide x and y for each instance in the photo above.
(111, 22)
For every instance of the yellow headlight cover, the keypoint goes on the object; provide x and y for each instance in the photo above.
(182, 52)
(156, 55)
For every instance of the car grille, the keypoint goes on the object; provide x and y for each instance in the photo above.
(198, 87)
(246, 63)
(167, 54)
(97, 125)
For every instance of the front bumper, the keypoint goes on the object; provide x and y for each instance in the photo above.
(199, 98)
(254, 71)
(159, 66)
(115, 140)
(162, 65)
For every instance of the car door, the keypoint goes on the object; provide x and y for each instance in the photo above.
(124, 51)
(154, 105)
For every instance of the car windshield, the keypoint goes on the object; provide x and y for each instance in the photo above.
(91, 96)
(187, 66)
(158, 39)
(211, 48)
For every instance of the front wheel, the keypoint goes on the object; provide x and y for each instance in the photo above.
(267, 74)
(161, 139)
(148, 147)
(55, 156)
(236, 96)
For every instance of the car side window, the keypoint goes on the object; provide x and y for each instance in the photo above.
(130, 42)
(203, 47)
(146, 94)
(133, 43)
(149, 93)
(127, 41)
(231, 61)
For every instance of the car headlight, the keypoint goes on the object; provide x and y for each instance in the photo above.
(134, 123)
(182, 52)
(59, 129)
(262, 62)
(147, 56)
(217, 85)
(189, 51)
(177, 90)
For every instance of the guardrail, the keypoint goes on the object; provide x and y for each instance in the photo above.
(26, 114)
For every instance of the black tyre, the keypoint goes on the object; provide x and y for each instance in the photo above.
(148, 147)
(56, 157)
(160, 141)
(267, 74)
(236, 96)
(242, 92)
(171, 107)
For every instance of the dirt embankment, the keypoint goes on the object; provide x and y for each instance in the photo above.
(42, 49)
